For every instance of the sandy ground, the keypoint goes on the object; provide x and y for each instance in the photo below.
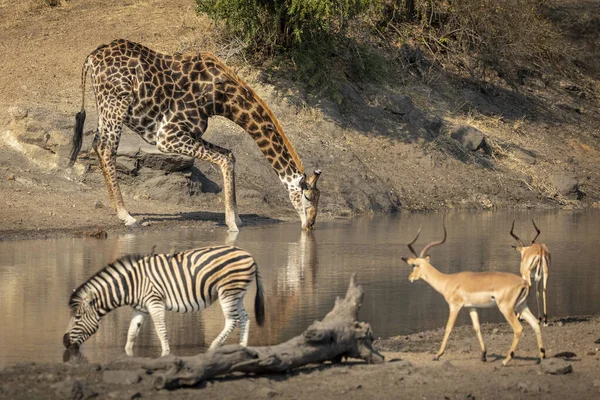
(409, 372)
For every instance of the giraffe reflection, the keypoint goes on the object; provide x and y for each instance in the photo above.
(293, 289)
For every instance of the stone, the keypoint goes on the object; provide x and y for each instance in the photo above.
(566, 184)
(469, 137)
(18, 113)
(495, 331)
(556, 366)
(11, 177)
(121, 377)
(98, 204)
(399, 104)
(134, 153)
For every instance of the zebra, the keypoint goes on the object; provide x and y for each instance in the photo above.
(184, 282)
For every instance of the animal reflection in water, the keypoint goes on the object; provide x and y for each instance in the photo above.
(183, 282)
(293, 289)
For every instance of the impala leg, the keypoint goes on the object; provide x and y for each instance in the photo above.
(545, 282)
(537, 297)
(511, 318)
(134, 330)
(449, 325)
(475, 320)
(157, 312)
(531, 320)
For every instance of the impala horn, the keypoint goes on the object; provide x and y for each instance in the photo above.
(515, 236)
(413, 242)
(430, 245)
(538, 231)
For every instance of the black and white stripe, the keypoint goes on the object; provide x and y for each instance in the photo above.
(183, 282)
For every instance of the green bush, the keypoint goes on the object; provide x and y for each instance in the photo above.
(273, 26)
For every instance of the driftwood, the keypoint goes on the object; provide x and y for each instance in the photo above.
(339, 335)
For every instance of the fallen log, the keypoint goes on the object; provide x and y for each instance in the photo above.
(339, 335)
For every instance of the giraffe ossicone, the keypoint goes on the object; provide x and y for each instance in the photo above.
(167, 99)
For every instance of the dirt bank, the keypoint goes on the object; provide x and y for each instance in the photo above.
(408, 373)
(381, 147)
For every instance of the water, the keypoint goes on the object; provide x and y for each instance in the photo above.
(303, 274)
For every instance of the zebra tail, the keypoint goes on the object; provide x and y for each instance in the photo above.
(259, 300)
(79, 117)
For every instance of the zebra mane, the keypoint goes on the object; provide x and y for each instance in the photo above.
(85, 290)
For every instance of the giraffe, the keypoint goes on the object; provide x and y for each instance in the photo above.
(167, 100)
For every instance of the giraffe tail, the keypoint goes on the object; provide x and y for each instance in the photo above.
(80, 116)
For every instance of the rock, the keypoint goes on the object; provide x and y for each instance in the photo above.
(11, 177)
(495, 331)
(529, 387)
(597, 341)
(566, 184)
(396, 103)
(556, 366)
(565, 354)
(98, 204)
(528, 157)
(121, 377)
(469, 137)
(18, 113)
(134, 153)
(597, 383)
(81, 391)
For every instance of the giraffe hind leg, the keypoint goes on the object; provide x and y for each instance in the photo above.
(112, 112)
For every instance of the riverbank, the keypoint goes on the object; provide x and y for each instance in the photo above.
(383, 147)
(408, 372)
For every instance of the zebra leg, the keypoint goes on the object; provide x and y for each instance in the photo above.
(244, 323)
(157, 312)
(134, 330)
(230, 311)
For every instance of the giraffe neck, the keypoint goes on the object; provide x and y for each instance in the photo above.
(235, 100)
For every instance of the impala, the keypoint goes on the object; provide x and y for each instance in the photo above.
(476, 290)
(535, 256)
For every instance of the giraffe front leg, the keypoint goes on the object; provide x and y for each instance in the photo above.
(172, 139)
(232, 218)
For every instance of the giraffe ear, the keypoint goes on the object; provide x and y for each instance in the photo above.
(312, 180)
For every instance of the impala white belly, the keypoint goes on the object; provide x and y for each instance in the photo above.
(482, 305)
(482, 302)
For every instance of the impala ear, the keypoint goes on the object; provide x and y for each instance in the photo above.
(312, 180)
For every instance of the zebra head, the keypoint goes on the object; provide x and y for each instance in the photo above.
(84, 322)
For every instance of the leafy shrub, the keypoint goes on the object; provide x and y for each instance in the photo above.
(272, 26)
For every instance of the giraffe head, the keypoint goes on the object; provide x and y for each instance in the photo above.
(305, 198)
